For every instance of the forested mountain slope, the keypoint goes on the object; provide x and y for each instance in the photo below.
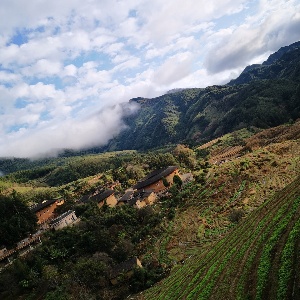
(263, 96)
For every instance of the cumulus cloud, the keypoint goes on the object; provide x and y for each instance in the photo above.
(175, 68)
(60, 63)
(278, 24)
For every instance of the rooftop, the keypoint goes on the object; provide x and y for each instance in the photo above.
(124, 267)
(101, 196)
(42, 205)
(127, 196)
(62, 216)
(155, 176)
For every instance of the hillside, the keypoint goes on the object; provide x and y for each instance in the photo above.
(234, 186)
(232, 231)
(234, 175)
(279, 65)
(263, 96)
(257, 260)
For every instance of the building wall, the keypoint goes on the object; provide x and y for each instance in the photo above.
(3, 251)
(140, 204)
(111, 201)
(46, 213)
(68, 220)
(150, 199)
(159, 185)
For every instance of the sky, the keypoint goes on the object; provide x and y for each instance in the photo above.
(68, 68)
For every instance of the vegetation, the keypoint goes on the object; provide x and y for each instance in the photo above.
(266, 270)
(232, 232)
(82, 257)
(16, 219)
(262, 97)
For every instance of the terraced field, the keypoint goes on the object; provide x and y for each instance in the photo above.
(275, 135)
(258, 259)
(226, 153)
(238, 185)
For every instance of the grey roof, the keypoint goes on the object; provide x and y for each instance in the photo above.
(101, 196)
(138, 196)
(85, 198)
(155, 176)
(42, 205)
(61, 217)
(127, 196)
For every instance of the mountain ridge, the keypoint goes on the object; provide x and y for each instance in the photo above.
(269, 69)
(262, 97)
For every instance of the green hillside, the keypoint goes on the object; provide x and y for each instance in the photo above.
(232, 232)
(259, 259)
(263, 96)
(180, 233)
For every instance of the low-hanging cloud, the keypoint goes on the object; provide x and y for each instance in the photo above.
(94, 130)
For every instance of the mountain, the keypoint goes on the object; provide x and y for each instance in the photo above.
(280, 64)
(262, 96)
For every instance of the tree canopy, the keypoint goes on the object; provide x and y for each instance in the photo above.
(16, 219)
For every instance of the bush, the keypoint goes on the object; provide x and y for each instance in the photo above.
(236, 215)
(177, 180)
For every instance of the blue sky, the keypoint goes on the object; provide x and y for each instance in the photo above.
(67, 69)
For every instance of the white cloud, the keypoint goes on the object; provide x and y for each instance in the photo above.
(42, 68)
(174, 69)
(278, 25)
(61, 63)
(94, 130)
(7, 77)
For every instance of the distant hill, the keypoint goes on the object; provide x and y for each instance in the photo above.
(262, 96)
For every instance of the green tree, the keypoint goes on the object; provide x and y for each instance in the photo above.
(16, 219)
(185, 156)
(177, 180)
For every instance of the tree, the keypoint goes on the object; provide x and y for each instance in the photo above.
(165, 182)
(177, 180)
(16, 219)
(185, 155)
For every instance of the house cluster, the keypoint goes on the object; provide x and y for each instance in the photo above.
(44, 210)
(144, 193)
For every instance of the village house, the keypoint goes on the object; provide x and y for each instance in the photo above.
(129, 194)
(107, 197)
(142, 199)
(66, 219)
(137, 199)
(45, 210)
(154, 182)
(124, 270)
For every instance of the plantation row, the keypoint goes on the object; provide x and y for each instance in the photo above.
(275, 135)
(257, 260)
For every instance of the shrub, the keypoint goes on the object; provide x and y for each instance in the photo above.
(236, 215)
